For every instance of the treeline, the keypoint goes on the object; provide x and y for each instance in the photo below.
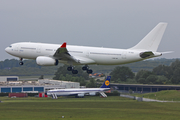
(158, 71)
(9, 64)
(161, 74)
(136, 66)
(30, 68)
(81, 77)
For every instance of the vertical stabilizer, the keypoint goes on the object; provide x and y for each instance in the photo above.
(106, 82)
(152, 39)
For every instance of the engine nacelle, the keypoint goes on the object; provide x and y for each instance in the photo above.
(46, 61)
(92, 93)
(80, 95)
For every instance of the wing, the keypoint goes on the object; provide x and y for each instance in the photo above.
(63, 54)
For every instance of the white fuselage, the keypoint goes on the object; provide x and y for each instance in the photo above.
(90, 55)
(50, 54)
(83, 91)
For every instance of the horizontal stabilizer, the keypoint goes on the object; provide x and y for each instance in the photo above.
(146, 54)
(149, 54)
(167, 52)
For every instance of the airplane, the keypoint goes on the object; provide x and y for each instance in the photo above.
(81, 92)
(51, 54)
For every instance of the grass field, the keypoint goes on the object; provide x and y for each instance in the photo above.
(168, 95)
(89, 108)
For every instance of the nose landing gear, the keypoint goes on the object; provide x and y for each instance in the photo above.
(21, 61)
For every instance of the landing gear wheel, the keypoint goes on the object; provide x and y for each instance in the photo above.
(74, 72)
(21, 63)
(85, 68)
(70, 68)
(89, 71)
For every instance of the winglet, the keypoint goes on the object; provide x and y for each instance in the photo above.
(106, 82)
(63, 45)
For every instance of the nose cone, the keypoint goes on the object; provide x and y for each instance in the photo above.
(7, 50)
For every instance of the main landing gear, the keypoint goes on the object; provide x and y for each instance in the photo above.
(21, 61)
(89, 71)
(70, 68)
(85, 68)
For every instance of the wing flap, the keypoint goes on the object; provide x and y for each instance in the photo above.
(83, 60)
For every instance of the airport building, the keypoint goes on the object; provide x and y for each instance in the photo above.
(8, 78)
(35, 86)
(141, 88)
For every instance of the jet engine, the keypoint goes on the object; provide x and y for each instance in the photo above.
(46, 61)
(92, 93)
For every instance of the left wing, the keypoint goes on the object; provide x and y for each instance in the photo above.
(63, 54)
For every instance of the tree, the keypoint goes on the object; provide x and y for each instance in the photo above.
(91, 84)
(175, 64)
(166, 71)
(121, 74)
(143, 74)
(176, 76)
(151, 79)
(63, 72)
(141, 80)
(162, 80)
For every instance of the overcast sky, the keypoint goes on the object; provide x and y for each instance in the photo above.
(107, 23)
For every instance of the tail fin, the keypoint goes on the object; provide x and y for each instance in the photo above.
(106, 82)
(152, 39)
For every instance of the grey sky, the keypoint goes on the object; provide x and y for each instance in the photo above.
(107, 23)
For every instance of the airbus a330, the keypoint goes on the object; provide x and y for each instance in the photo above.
(52, 54)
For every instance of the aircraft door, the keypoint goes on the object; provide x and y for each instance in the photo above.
(87, 53)
(16, 48)
(124, 55)
(38, 50)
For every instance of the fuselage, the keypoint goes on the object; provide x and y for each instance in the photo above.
(68, 92)
(94, 55)
(51, 54)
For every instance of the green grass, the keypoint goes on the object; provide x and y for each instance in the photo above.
(89, 108)
(168, 95)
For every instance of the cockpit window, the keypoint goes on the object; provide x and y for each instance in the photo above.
(10, 46)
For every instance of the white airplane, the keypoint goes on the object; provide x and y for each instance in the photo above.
(81, 92)
(51, 54)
